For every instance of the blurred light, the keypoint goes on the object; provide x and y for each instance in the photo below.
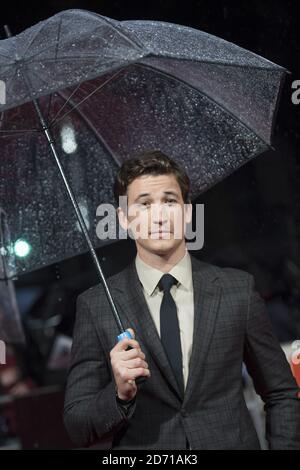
(68, 139)
(22, 248)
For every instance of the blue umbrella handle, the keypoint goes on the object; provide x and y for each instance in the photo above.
(127, 334)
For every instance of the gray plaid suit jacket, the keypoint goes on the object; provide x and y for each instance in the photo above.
(230, 326)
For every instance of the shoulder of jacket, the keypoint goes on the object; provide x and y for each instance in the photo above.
(98, 290)
(224, 275)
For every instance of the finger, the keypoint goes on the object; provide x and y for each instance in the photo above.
(126, 374)
(138, 372)
(123, 345)
(135, 363)
(131, 354)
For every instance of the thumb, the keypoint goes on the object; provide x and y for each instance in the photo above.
(131, 332)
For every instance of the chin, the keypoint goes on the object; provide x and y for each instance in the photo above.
(162, 246)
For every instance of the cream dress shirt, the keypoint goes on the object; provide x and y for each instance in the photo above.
(183, 296)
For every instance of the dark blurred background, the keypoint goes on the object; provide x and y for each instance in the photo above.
(252, 219)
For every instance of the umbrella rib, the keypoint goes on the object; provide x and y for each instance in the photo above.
(58, 37)
(28, 45)
(120, 32)
(91, 125)
(53, 121)
(88, 96)
(213, 62)
(64, 105)
(78, 86)
(243, 66)
(50, 99)
(35, 36)
(40, 52)
(183, 82)
(45, 48)
(78, 104)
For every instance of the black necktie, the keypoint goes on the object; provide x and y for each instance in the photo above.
(169, 328)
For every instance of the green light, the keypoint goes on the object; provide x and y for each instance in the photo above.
(22, 248)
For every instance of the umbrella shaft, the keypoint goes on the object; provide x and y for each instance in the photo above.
(78, 214)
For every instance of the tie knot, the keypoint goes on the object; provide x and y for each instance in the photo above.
(166, 282)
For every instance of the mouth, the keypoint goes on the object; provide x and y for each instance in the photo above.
(160, 232)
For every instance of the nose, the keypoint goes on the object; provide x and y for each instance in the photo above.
(159, 218)
(159, 213)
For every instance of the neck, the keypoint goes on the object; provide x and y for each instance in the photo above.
(162, 261)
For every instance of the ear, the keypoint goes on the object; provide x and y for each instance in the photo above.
(188, 209)
(122, 218)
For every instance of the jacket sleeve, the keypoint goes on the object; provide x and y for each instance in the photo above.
(91, 411)
(272, 376)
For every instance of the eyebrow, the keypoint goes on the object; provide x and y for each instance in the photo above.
(167, 193)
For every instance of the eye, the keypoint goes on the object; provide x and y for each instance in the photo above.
(171, 201)
(145, 204)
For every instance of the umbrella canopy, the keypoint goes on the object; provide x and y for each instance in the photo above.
(108, 89)
(10, 321)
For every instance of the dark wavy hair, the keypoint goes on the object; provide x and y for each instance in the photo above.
(152, 162)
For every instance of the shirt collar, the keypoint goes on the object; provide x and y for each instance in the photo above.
(150, 276)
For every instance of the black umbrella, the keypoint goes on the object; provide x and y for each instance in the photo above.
(100, 90)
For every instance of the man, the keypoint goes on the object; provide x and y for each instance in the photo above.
(194, 325)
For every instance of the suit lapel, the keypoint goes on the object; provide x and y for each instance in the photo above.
(136, 310)
(206, 302)
(132, 305)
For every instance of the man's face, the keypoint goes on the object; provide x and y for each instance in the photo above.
(156, 213)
